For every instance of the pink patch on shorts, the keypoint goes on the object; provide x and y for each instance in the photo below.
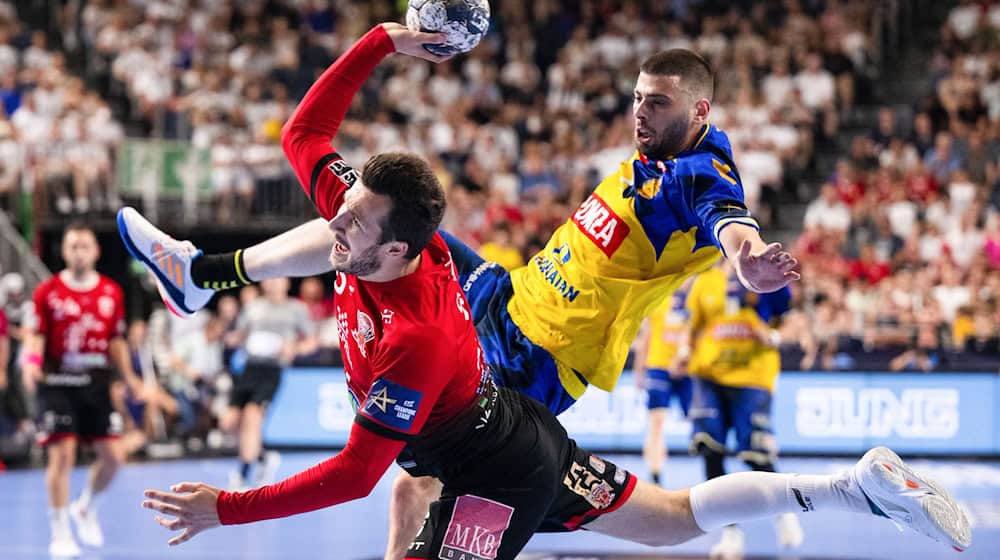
(476, 529)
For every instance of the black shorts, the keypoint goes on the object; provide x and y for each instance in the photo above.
(258, 383)
(539, 482)
(77, 405)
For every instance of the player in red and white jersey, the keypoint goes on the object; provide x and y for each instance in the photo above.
(77, 344)
(425, 398)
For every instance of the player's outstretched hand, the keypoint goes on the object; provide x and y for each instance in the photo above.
(192, 507)
(767, 271)
(412, 43)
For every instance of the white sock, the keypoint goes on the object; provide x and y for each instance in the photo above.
(88, 499)
(59, 519)
(740, 497)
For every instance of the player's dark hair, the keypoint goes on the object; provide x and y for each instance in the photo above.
(417, 198)
(78, 226)
(694, 71)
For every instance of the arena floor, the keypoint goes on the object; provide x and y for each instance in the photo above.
(357, 530)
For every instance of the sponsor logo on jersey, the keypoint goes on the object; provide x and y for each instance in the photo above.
(344, 171)
(732, 331)
(620, 475)
(550, 272)
(476, 529)
(562, 253)
(585, 483)
(392, 404)
(600, 224)
(471, 280)
(106, 306)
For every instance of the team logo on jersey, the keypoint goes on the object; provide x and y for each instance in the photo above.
(392, 404)
(387, 316)
(106, 306)
(365, 332)
(343, 171)
(600, 224)
(587, 484)
(650, 188)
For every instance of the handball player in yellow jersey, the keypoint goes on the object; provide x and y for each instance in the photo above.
(734, 364)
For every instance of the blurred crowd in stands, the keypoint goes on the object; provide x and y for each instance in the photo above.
(518, 129)
(899, 246)
(902, 246)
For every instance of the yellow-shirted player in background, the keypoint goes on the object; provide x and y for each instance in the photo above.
(655, 356)
(734, 365)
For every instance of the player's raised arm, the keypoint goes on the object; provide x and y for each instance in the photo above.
(306, 137)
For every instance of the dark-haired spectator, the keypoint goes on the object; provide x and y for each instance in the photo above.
(942, 160)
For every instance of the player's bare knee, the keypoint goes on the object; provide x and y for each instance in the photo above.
(60, 462)
(113, 456)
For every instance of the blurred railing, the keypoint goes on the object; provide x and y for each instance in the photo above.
(17, 256)
(173, 183)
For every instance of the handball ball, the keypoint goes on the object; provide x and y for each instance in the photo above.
(464, 21)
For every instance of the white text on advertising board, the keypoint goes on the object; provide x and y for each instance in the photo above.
(876, 412)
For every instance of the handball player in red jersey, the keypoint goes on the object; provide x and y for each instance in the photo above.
(76, 344)
(426, 399)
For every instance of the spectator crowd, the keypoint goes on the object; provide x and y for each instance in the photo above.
(518, 129)
(902, 245)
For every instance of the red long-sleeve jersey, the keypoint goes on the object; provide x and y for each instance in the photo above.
(412, 358)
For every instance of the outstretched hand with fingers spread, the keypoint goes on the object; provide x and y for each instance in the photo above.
(192, 506)
(768, 270)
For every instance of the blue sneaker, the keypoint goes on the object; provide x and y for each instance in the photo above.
(168, 259)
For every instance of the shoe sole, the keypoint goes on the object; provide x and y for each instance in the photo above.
(174, 307)
(934, 510)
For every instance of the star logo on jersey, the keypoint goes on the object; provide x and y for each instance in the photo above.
(381, 399)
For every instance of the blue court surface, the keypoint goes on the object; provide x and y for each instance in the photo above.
(357, 530)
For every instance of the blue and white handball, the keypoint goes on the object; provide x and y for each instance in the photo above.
(464, 21)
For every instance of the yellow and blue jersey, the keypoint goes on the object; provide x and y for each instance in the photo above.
(726, 315)
(647, 227)
(667, 324)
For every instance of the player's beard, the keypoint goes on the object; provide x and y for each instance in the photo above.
(364, 264)
(668, 141)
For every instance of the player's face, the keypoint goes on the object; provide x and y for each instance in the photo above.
(357, 232)
(80, 250)
(664, 115)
